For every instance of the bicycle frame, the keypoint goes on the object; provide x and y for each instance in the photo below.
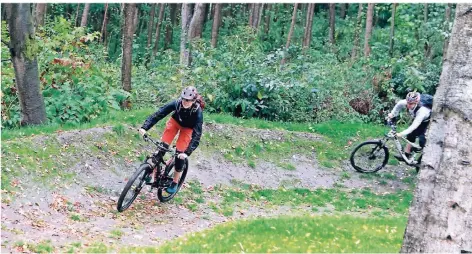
(156, 161)
(392, 135)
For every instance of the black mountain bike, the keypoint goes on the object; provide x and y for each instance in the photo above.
(161, 179)
(371, 156)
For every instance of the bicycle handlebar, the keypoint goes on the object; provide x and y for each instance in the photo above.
(159, 145)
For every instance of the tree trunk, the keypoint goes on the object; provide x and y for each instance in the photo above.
(135, 19)
(343, 10)
(267, 19)
(170, 26)
(158, 29)
(21, 28)
(104, 25)
(290, 33)
(195, 29)
(259, 15)
(251, 14)
(77, 15)
(126, 63)
(216, 24)
(256, 15)
(40, 13)
(185, 23)
(357, 33)
(332, 16)
(151, 25)
(446, 30)
(441, 212)
(83, 22)
(392, 29)
(308, 26)
(425, 18)
(368, 29)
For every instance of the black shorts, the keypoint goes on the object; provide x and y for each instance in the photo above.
(420, 133)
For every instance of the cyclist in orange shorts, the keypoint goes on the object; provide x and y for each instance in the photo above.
(187, 119)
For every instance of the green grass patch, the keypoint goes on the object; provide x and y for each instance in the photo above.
(116, 233)
(296, 234)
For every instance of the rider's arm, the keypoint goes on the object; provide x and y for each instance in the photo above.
(422, 114)
(159, 114)
(398, 107)
(196, 134)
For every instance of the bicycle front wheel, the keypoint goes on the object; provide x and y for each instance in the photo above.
(369, 157)
(133, 187)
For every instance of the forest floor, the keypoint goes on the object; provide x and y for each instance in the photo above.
(63, 187)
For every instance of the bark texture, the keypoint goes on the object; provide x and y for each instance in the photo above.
(196, 23)
(368, 29)
(158, 29)
(21, 28)
(357, 32)
(40, 13)
(332, 17)
(151, 25)
(126, 64)
(440, 217)
(185, 23)
(216, 24)
(308, 25)
(392, 29)
(83, 22)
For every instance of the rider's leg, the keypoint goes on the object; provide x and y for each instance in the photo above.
(185, 136)
(171, 129)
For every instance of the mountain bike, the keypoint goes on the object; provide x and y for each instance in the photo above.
(154, 171)
(371, 156)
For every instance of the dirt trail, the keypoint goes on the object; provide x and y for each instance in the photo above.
(85, 210)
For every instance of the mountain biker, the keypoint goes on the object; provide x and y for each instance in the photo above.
(421, 112)
(187, 119)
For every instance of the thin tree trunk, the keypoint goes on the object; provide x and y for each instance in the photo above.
(21, 28)
(259, 15)
(440, 215)
(77, 15)
(151, 25)
(158, 29)
(308, 25)
(40, 13)
(425, 18)
(255, 16)
(170, 26)
(267, 19)
(446, 30)
(332, 16)
(126, 63)
(104, 25)
(196, 22)
(368, 28)
(343, 10)
(392, 29)
(216, 25)
(83, 22)
(251, 14)
(357, 33)
(185, 23)
(290, 33)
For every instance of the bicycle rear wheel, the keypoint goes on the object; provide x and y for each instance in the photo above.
(133, 187)
(162, 195)
(369, 157)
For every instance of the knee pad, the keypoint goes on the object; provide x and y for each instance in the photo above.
(179, 164)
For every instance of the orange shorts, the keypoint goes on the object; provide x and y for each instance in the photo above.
(185, 135)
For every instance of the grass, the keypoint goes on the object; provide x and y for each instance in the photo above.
(116, 234)
(363, 200)
(296, 234)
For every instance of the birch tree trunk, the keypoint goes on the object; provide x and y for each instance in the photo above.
(440, 217)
